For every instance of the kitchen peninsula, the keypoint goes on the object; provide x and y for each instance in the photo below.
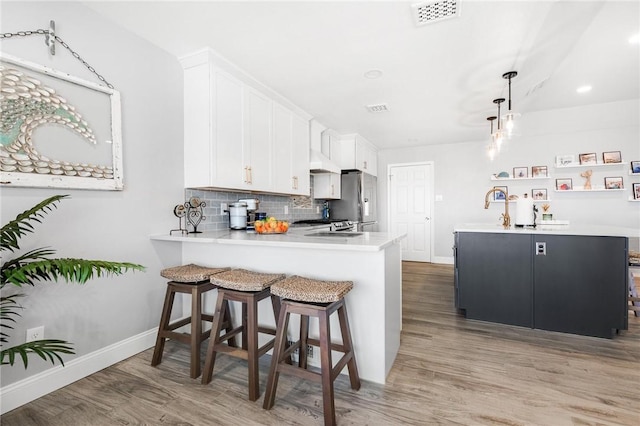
(560, 278)
(372, 260)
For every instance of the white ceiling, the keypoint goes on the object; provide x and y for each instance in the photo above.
(438, 79)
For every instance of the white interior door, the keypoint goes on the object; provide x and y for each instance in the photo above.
(410, 189)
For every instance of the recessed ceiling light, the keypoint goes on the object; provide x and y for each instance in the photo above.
(635, 39)
(373, 74)
(583, 89)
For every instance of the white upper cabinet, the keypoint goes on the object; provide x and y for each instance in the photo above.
(238, 133)
(257, 153)
(359, 154)
(291, 152)
(327, 186)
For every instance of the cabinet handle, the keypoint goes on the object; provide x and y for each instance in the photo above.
(250, 175)
(294, 180)
(246, 174)
(365, 164)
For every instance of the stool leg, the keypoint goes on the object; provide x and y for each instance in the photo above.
(275, 303)
(210, 359)
(196, 331)
(164, 325)
(304, 335)
(244, 326)
(326, 368)
(276, 358)
(348, 346)
(229, 324)
(252, 342)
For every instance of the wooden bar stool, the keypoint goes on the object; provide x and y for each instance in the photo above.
(194, 280)
(309, 297)
(248, 288)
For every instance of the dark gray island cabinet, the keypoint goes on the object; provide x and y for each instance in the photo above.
(550, 281)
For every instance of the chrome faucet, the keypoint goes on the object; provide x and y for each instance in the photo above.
(506, 219)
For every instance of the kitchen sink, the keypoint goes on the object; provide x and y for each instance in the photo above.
(334, 234)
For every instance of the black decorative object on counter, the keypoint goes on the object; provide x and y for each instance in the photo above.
(194, 213)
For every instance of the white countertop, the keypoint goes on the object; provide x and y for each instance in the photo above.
(368, 241)
(584, 230)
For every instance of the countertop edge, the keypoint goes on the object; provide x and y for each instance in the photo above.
(576, 230)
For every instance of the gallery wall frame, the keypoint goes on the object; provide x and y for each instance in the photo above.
(57, 130)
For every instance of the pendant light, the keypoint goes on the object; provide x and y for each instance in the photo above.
(492, 143)
(498, 136)
(510, 116)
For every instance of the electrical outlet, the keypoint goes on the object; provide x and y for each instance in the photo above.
(36, 333)
(309, 351)
(317, 209)
(286, 209)
(223, 207)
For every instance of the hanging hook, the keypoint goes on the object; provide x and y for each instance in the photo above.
(50, 37)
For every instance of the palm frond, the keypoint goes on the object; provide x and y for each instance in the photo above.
(68, 269)
(8, 306)
(48, 349)
(12, 231)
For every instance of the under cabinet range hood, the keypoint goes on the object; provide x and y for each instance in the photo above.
(320, 163)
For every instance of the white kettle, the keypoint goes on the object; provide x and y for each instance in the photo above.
(525, 212)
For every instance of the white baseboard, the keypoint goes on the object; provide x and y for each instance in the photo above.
(448, 260)
(31, 388)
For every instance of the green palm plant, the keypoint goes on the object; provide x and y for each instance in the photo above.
(36, 266)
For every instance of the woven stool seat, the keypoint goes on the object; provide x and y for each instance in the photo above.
(305, 289)
(244, 280)
(190, 273)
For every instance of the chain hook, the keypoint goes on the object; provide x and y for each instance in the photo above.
(50, 37)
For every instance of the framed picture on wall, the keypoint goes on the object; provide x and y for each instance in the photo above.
(539, 171)
(589, 158)
(539, 194)
(565, 184)
(500, 196)
(520, 172)
(613, 182)
(636, 191)
(635, 167)
(611, 157)
(58, 131)
(565, 160)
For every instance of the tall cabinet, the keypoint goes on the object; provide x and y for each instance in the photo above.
(239, 136)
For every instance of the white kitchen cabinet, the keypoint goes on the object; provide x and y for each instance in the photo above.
(257, 141)
(315, 135)
(359, 154)
(238, 134)
(326, 186)
(331, 145)
(213, 127)
(290, 152)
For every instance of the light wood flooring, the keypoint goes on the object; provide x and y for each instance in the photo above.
(449, 371)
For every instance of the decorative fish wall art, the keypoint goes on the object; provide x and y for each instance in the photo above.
(27, 107)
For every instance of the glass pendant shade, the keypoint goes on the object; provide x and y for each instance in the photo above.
(493, 148)
(510, 117)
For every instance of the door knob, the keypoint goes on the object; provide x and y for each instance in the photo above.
(427, 218)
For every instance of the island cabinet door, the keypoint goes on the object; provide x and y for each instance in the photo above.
(495, 277)
(581, 284)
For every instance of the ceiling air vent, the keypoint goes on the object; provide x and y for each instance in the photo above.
(378, 108)
(434, 11)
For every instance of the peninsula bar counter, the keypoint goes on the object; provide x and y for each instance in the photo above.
(371, 260)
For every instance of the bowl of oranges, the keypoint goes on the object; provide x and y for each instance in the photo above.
(271, 225)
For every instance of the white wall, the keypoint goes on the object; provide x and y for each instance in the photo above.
(462, 171)
(103, 224)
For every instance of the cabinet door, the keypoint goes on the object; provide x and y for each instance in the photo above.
(257, 141)
(326, 186)
(197, 126)
(581, 284)
(300, 156)
(228, 168)
(282, 139)
(494, 277)
(366, 157)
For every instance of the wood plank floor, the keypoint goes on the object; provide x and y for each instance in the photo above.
(449, 371)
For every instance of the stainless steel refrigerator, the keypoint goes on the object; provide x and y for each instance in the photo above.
(358, 200)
